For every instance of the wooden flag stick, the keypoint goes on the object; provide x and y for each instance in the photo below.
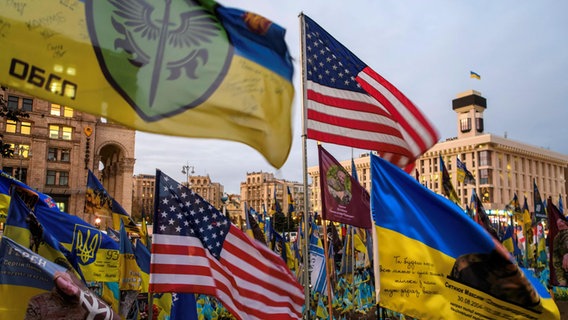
(327, 269)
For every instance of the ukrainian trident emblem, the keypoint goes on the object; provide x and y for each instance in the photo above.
(162, 56)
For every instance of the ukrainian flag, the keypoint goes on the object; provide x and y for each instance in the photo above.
(193, 69)
(23, 274)
(474, 75)
(435, 260)
(94, 252)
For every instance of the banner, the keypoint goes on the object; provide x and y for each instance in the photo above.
(23, 275)
(168, 67)
(343, 199)
(435, 260)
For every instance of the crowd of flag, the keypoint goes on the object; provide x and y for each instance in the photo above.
(400, 250)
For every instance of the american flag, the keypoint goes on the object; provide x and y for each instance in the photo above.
(196, 249)
(350, 104)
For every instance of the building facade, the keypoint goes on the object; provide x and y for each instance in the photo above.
(57, 145)
(501, 167)
(261, 190)
(143, 189)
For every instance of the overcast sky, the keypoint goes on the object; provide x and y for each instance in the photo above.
(427, 50)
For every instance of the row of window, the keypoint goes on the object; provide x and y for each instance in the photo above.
(26, 104)
(53, 154)
(25, 128)
(53, 177)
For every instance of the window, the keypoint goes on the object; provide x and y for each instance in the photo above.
(63, 178)
(17, 172)
(59, 178)
(65, 155)
(53, 131)
(485, 158)
(27, 104)
(68, 112)
(66, 133)
(56, 154)
(11, 126)
(55, 110)
(26, 128)
(60, 132)
(14, 103)
(22, 127)
(479, 124)
(52, 154)
(465, 125)
(50, 178)
(485, 176)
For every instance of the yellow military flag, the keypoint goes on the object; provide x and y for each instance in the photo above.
(183, 68)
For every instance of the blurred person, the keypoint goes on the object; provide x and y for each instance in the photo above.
(69, 300)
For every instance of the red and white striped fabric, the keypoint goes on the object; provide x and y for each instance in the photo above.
(195, 249)
(352, 105)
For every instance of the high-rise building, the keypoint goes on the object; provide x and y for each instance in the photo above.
(502, 167)
(55, 147)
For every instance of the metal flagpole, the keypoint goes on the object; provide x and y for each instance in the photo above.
(306, 258)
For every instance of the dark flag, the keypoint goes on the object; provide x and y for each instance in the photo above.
(343, 198)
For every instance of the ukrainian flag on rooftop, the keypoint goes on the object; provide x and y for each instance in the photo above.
(474, 75)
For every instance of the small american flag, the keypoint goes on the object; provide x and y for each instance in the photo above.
(195, 249)
(350, 104)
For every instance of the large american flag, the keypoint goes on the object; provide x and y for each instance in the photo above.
(350, 104)
(195, 248)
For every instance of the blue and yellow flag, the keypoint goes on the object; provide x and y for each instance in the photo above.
(436, 261)
(23, 227)
(168, 67)
(101, 204)
(130, 277)
(474, 75)
(23, 274)
(97, 253)
(142, 255)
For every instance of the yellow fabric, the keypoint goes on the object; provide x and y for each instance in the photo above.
(250, 104)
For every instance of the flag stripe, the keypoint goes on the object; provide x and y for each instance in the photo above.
(403, 110)
(359, 121)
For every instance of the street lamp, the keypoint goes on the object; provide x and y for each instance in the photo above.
(23, 152)
(224, 199)
(185, 170)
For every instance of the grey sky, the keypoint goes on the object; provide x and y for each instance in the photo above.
(426, 49)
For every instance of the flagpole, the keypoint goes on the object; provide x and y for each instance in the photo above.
(306, 259)
(328, 268)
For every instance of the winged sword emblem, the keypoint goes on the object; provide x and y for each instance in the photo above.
(172, 50)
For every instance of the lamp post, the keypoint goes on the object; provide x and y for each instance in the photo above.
(185, 170)
(224, 199)
(21, 150)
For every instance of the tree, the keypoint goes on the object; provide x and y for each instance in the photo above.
(14, 114)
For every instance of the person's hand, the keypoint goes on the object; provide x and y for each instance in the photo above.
(64, 282)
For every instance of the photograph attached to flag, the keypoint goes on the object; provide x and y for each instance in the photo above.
(192, 64)
(196, 249)
(352, 105)
(435, 260)
(557, 245)
(343, 198)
